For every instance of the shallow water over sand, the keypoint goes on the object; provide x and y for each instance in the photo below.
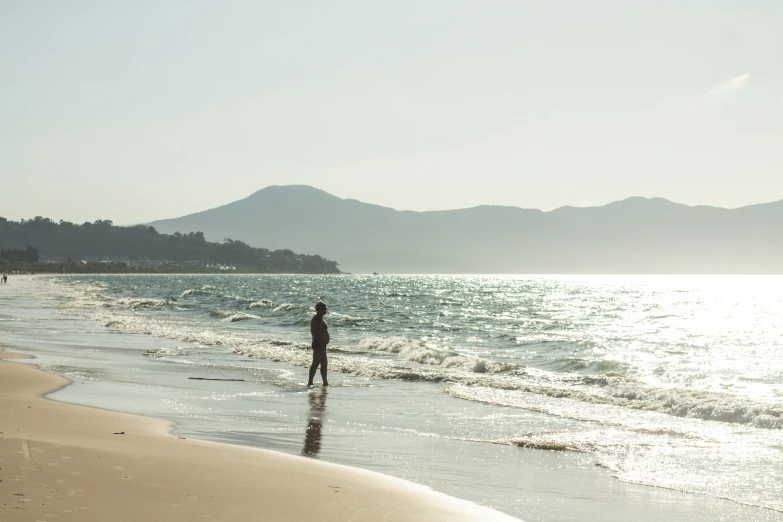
(465, 384)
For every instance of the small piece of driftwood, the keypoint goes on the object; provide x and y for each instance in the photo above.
(210, 379)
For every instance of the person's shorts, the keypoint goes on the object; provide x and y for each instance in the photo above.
(318, 345)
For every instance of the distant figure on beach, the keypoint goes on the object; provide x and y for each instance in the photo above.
(5, 278)
(320, 332)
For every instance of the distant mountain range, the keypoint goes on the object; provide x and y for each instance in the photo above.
(636, 235)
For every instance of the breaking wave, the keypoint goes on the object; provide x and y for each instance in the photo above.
(419, 352)
(204, 290)
(232, 317)
(263, 303)
(143, 303)
(209, 290)
(287, 307)
(702, 405)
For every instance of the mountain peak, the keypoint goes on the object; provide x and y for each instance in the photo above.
(292, 191)
(641, 201)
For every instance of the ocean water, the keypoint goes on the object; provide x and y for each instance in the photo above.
(547, 397)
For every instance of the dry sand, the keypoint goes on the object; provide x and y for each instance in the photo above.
(64, 462)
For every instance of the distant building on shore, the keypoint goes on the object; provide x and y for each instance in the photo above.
(106, 259)
(156, 263)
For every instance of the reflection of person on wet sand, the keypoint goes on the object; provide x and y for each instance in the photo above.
(312, 440)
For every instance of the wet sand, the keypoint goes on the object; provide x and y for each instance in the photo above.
(63, 461)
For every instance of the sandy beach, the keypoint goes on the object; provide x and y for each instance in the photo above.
(60, 461)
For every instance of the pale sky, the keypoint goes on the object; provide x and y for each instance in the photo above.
(142, 110)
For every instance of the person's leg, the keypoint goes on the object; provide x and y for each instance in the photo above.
(314, 366)
(323, 369)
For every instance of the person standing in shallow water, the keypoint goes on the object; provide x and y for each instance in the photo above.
(320, 332)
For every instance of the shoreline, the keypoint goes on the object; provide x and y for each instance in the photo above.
(108, 374)
(61, 459)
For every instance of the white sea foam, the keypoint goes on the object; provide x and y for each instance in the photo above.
(239, 316)
(419, 352)
(143, 303)
(165, 352)
(262, 303)
(204, 290)
(287, 307)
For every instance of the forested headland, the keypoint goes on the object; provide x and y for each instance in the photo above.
(43, 245)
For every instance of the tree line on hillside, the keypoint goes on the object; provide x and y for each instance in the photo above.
(65, 241)
(24, 255)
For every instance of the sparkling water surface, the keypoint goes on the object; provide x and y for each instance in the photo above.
(513, 381)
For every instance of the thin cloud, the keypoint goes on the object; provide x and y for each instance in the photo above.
(723, 89)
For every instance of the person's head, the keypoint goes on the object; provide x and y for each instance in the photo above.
(320, 307)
